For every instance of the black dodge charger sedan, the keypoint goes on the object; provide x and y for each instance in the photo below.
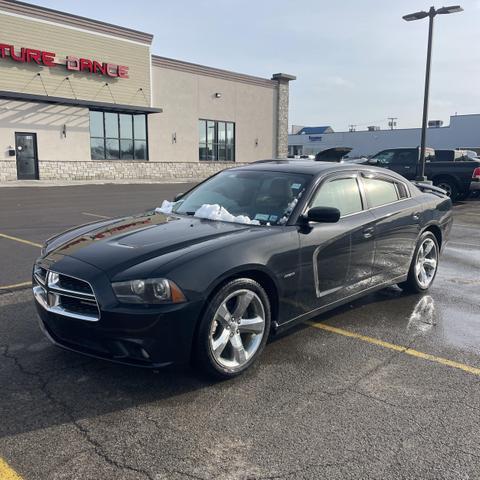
(247, 253)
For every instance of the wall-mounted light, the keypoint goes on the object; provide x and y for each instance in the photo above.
(64, 130)
(218, 95)
(11, 151)
(174, 137)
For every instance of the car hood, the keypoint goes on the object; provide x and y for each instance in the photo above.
(118, 244)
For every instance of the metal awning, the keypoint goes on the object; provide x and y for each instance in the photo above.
(75, 102)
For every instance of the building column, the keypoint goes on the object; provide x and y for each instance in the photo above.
(283, 81)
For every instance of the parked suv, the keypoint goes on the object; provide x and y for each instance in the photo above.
(453, 177)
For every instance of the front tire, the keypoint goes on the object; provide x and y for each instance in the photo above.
(233, 330)
(423, 268)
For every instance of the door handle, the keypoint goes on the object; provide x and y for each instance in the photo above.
(368, 232)
(407, 167)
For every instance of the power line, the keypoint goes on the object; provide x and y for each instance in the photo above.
(353, 127)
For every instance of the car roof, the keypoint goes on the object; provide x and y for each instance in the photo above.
(310, 167)
(405, 148)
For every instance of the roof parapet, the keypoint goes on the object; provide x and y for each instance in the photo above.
(68, 19)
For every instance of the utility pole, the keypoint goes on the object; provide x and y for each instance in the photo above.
(392, 123)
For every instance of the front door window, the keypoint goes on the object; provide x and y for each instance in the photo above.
(342, 193)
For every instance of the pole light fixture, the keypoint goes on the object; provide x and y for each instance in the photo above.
(415, 16)
(452, 9)
(431, 14)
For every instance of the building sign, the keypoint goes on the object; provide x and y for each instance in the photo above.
(71, 63)
(312, 138)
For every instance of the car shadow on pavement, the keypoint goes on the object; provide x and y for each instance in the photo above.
(43, 385)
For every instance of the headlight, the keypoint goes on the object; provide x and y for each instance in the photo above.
(151, 290)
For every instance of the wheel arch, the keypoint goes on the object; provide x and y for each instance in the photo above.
(254, 272)
(445, 176)
(436, 231)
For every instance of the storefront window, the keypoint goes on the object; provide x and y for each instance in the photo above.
(97, 146)
(216, 140)
(126, 149)
(115, 136)
(96, 124)
(126, 130)
(126, 136)
(140, 128)
(202, 135)
(111, 125)
(112, 149)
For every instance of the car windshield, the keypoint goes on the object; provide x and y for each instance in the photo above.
(265, 197)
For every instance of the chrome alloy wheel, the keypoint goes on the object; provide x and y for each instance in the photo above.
(237, 329)
(426, 262)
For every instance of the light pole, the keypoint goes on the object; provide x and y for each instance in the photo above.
(431, 14)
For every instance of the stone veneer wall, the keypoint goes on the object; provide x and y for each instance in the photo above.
(8, 171)
(120, 170)
(283, 80)
(282, 130)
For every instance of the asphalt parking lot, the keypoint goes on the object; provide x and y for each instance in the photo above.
(385, 387)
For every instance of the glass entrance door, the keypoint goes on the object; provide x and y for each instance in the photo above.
(27, 158)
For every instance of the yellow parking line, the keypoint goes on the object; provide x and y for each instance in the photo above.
(94, 215)
(398, 348)
(21, 240)
(7, 473)
(15, 285)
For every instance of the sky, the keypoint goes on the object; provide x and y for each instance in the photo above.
(356, 61)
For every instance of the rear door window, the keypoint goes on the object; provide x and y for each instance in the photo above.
(405, 158)
(379, 191)
(341, 193)
(402, 190)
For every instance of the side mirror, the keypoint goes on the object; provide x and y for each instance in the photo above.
(178, 196)
(372, 161)
(323, 215)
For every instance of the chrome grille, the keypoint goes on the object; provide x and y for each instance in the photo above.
(75, 285)
(65, 295)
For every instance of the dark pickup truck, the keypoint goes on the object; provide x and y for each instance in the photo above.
(453, 177)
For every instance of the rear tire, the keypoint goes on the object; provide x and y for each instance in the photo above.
(233, 330)
(423, 268)
(449, 185)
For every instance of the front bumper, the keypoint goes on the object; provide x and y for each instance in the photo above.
(140, 335)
